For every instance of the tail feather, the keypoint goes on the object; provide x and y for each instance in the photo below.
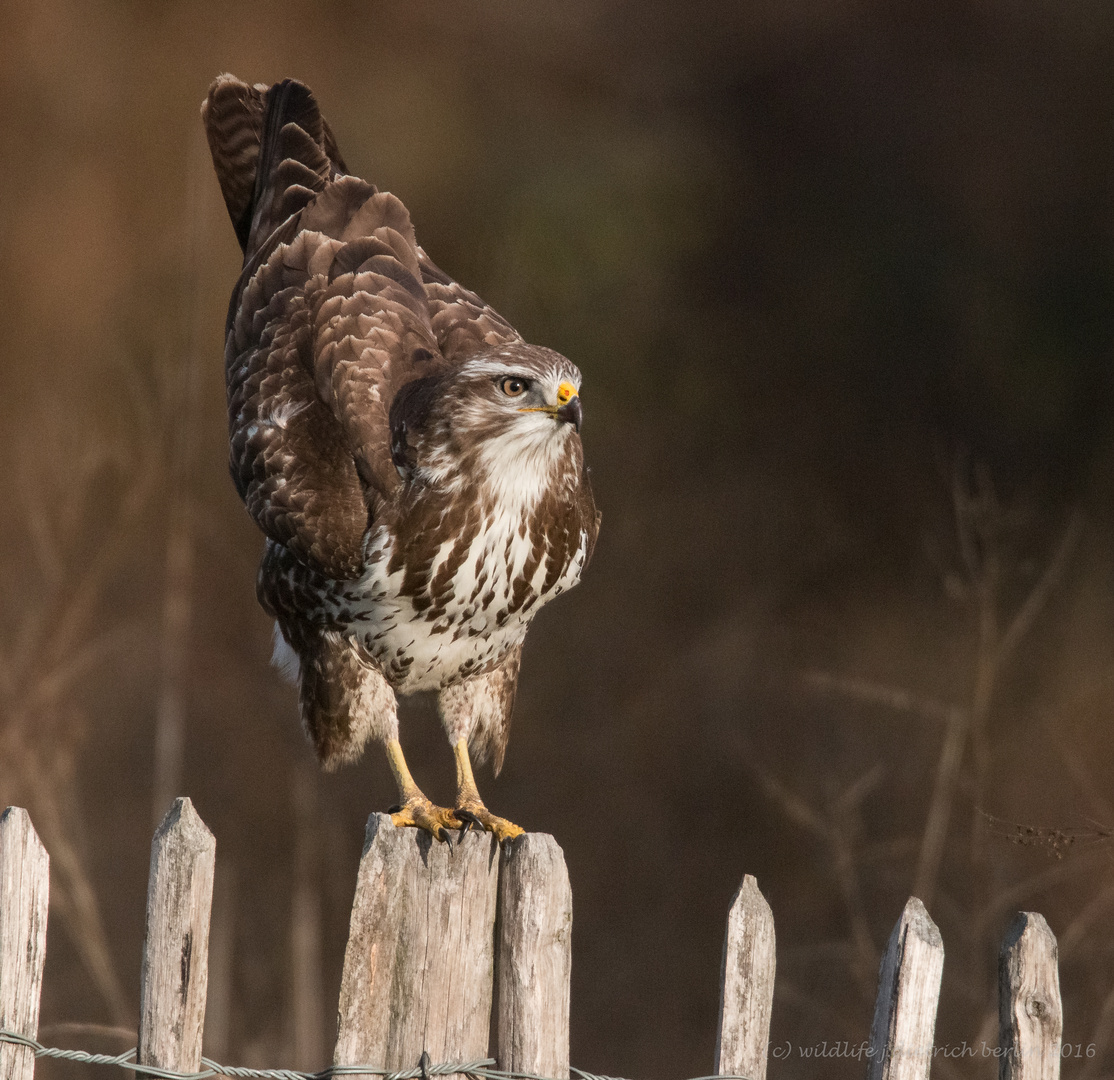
(233, 117)
(272, 151)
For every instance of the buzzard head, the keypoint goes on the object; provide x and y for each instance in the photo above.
(508, 418)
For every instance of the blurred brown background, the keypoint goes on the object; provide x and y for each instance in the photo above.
(840, 277)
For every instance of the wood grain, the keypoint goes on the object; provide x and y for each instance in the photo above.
(1030, 1014)
(175, 972)
(904, 1025)
(746, 985)
(533, 958)
(419, 963)
(24, 896)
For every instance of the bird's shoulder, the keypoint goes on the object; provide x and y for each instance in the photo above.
(336, 309)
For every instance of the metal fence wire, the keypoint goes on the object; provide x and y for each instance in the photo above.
(481, 1069)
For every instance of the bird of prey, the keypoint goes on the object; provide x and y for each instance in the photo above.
(415, 465)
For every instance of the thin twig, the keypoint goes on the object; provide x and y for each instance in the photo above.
(838, 829)
(940, 806)
(1101, 806)
(1006, 900)
(1039, 595)
(1077, 930)
(875, 693)
(1100, 1038)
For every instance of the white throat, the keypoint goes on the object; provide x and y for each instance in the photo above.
(521, 464)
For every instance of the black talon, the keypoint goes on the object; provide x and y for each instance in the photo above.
(444, 834)
(469, 820)
(394, 809)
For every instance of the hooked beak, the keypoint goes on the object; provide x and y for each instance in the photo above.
(571, 413)
(567, 410)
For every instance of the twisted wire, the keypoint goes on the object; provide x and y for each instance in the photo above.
(480, 1068)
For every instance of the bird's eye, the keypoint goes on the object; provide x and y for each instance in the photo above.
(513, 387)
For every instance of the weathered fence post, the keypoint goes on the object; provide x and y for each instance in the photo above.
(908, 992)
(746, 985)
(24, 892)
(1030, 1016)
(175, 973)
(418, 967)
(533, 958)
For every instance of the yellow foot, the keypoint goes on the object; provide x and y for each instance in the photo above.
(475, 813)
(420, 813)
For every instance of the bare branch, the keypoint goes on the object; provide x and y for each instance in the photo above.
(81, 914)
(1078, 929)
(1007, 899)
(787, 991)
(853, 795)
(838, 829)
(39, 652)
(46, 543)
(841, 832)
(1101, 806)
(939, 810)
(53, 684)
(792, 805)
(1038, 596)
(1100, 1038)
(874, 693)
(888, 852)
(961, 510)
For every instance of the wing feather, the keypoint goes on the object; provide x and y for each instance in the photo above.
(462, 322)
(336, 309)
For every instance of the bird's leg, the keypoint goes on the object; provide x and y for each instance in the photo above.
(469, 805)
(415, 808)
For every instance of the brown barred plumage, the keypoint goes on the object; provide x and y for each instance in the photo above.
(415, 465)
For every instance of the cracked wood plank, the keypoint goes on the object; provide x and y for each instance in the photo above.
(24, 896)
(908, 992)
(419, 963)
(1030, 1014)
(533, 958)
(174, 977)
(746, 985)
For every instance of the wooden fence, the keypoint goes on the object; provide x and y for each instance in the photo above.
(452, 953)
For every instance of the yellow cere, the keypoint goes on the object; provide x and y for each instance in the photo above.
(565, 393)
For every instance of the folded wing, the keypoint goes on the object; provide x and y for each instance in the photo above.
(335, 310)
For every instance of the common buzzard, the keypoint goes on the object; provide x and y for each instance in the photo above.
(415, 465)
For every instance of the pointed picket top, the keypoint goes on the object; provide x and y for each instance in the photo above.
(175, 972)
(24, 900)
(1030, 1014)
(746, 985)
(904, 1025)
